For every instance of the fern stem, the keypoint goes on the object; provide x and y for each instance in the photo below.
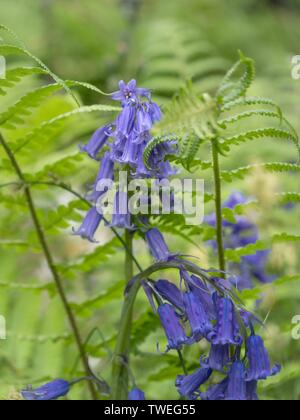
(120, 368)
(218, 203)
(48, 256)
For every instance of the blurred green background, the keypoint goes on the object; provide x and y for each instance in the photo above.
(101, 42)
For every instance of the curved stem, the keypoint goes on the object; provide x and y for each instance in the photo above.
(218, 202)
(120, 363)
(56, 277)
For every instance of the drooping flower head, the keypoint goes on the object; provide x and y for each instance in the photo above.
(188, 385)
(197, 316)
(237, 387)
(51, 391)
(106, 172)
(90, 225)
(219, 357)
(259, 361)
(215, 392)
(136, 395)
(174, 331)
(157, 245)
(170, 292)
(227, 328)
(97, 142)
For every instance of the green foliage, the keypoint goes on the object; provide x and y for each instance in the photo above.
(179, 49)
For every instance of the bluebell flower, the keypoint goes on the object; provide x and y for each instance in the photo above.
(236, 388)
(125, 122)
(251, 391)
(154, 111)
(170, 292)
(216, 392)
(90, 225)
(128, 154)
(259, 361)
(219, 357)
(143, 123)
(129, 93)
(201, 290)
(238, 235)
(121, 217)
(171, 323)
(188, 385)
(97, 142)
(197, 316)
(235, 199)
(106, 172)
(157, 245)
(227, 328)
(136, 395)
(51, 391)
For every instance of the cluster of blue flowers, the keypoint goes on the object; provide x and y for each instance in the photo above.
(238, 235)
(198, 310)
(123, 143)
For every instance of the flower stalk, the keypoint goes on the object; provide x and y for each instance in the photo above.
(120, 364)
(218, 204)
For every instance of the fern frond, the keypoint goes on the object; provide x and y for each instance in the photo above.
(231, 90)
(90, 261)
(54, 338)
(234, 255)
(250, 101)
(24, 107)
(24, 51)
(46, 129)
(58, 169)
(99, 300)
(174, 53)
(31, 287)
(156, 141)
(223, 123)
(289, 197)
(15, 75)
(285, 237)
(270, 132)
(276, 167)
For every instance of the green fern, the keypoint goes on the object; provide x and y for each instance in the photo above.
(196, 119)
(49, 128)
(174, 53)
(15, 75)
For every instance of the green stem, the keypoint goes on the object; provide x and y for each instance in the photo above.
(120, 364)
(218, 203)
(182, 362)
(48, 256)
